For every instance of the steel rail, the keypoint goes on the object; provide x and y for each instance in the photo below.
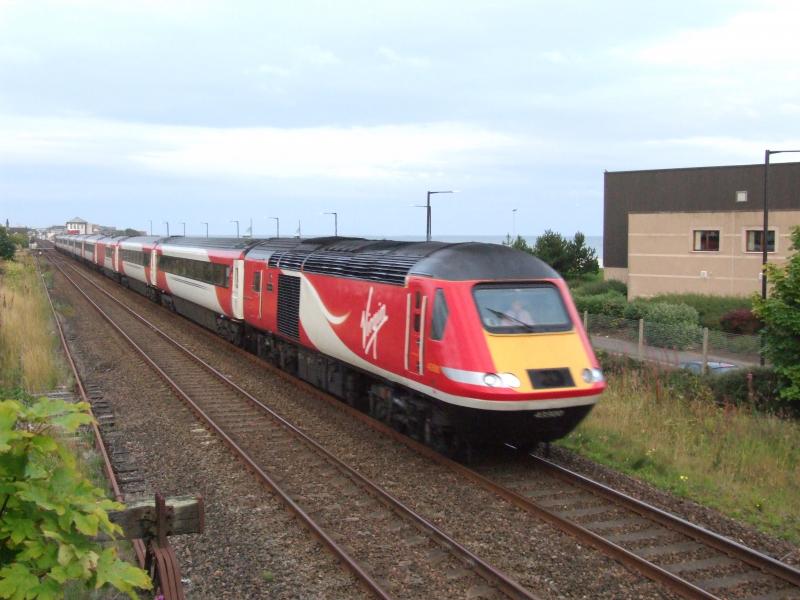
(491, 574)
(138, 545)
(633, 561)
(743, 553)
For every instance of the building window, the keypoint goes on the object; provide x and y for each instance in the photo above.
(755, 238)
(706, 240)
(741, 196)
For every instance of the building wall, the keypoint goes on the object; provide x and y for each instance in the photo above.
(662, 259)
(690, 190)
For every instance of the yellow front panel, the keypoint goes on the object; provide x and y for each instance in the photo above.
(519, 352)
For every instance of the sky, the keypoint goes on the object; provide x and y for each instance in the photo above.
(131, 112)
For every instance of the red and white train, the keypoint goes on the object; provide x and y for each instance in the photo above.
(454, 344)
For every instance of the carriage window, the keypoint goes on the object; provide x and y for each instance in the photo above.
(521, 308)
(257, 281)
(440, 314)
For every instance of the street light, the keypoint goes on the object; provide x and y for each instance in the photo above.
(514, 222)
(237, 227)
(428, 207)
(167, 224)
(206, 224)
(335, 223)
(277, 225)
(151, 226)
(184, 228)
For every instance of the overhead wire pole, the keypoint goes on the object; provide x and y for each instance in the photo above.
(206, 224)
(428, 210)
(335, 223)
(277, 226)
(167, 224)
(237, 227)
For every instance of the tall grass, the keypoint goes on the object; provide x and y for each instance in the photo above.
(29, 357)
(743, 463)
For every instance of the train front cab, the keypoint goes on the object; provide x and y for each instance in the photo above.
(509, 357)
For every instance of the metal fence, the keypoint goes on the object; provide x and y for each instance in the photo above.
(670, 342)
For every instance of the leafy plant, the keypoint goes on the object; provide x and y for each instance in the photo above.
(7, 245)
(49, 510)
(781, 315)
(670, 325)
(710, 309)
(741, 321)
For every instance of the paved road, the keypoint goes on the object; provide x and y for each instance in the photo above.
(661, 355)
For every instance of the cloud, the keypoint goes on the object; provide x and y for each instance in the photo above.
(555, 57)
(395, 58)
(766, 36)
(380, 152)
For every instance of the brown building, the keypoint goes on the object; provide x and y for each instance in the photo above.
(697, 230)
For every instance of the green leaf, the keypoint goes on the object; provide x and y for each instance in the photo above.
(86, 524)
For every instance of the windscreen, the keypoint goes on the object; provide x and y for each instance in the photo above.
(521, 308)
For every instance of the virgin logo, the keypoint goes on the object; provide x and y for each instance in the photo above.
(371, 324)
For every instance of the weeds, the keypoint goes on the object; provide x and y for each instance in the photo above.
(741, 462)
(28, 344)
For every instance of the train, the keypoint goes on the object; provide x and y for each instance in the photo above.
(458, 345)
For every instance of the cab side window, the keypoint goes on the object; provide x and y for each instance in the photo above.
(440, 314)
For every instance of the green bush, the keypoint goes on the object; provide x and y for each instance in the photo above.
(599, 286)
(781, 317)
(50, 510)
(710, 309)
(611, 304)
(670, 325)
(635, 309)
(757, 387)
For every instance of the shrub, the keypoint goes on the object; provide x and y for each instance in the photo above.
(782, 321)
(670, 325)
(741, 321)
(50, 510)
(710, 309)
(635, 310)
(598, 287)
(610, 303)
(757, 387)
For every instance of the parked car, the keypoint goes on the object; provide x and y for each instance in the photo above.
(714, 367)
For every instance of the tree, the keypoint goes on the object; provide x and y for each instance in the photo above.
(518, 244)
(7, 245)
(781, 315)
(49, 510)
(570, 258)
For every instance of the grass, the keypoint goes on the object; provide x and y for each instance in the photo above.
(745, 464)
(29, 356)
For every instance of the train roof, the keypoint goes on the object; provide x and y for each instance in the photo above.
(220, 243)
(389, 261)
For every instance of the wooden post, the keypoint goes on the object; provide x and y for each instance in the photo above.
(182, 515)
(641, 339)
(586, 321)
(705, 350)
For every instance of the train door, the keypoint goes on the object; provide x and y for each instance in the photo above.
(416, 309)
(153, 266)
(237, 296)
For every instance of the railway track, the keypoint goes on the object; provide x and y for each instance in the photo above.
(689, 559)
(683, 557)
(395, 552)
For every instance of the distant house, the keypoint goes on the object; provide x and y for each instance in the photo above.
(77, 226)
(697, 230)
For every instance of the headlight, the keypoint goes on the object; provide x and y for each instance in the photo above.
(592, 375)
(492, 380)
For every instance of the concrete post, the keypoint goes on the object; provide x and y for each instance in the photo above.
(586, 321)
(640, 351)
(705, 350)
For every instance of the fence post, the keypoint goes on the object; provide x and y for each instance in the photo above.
(586, 321)
(640, 349)
(705, 350)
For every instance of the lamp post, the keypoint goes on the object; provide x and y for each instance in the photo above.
(206, 224)
(335, 223)
(237, 227)
(167, 224)
(514, 223)
(151, 226)
(184, 228)
(428, 210)
(277, 226)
